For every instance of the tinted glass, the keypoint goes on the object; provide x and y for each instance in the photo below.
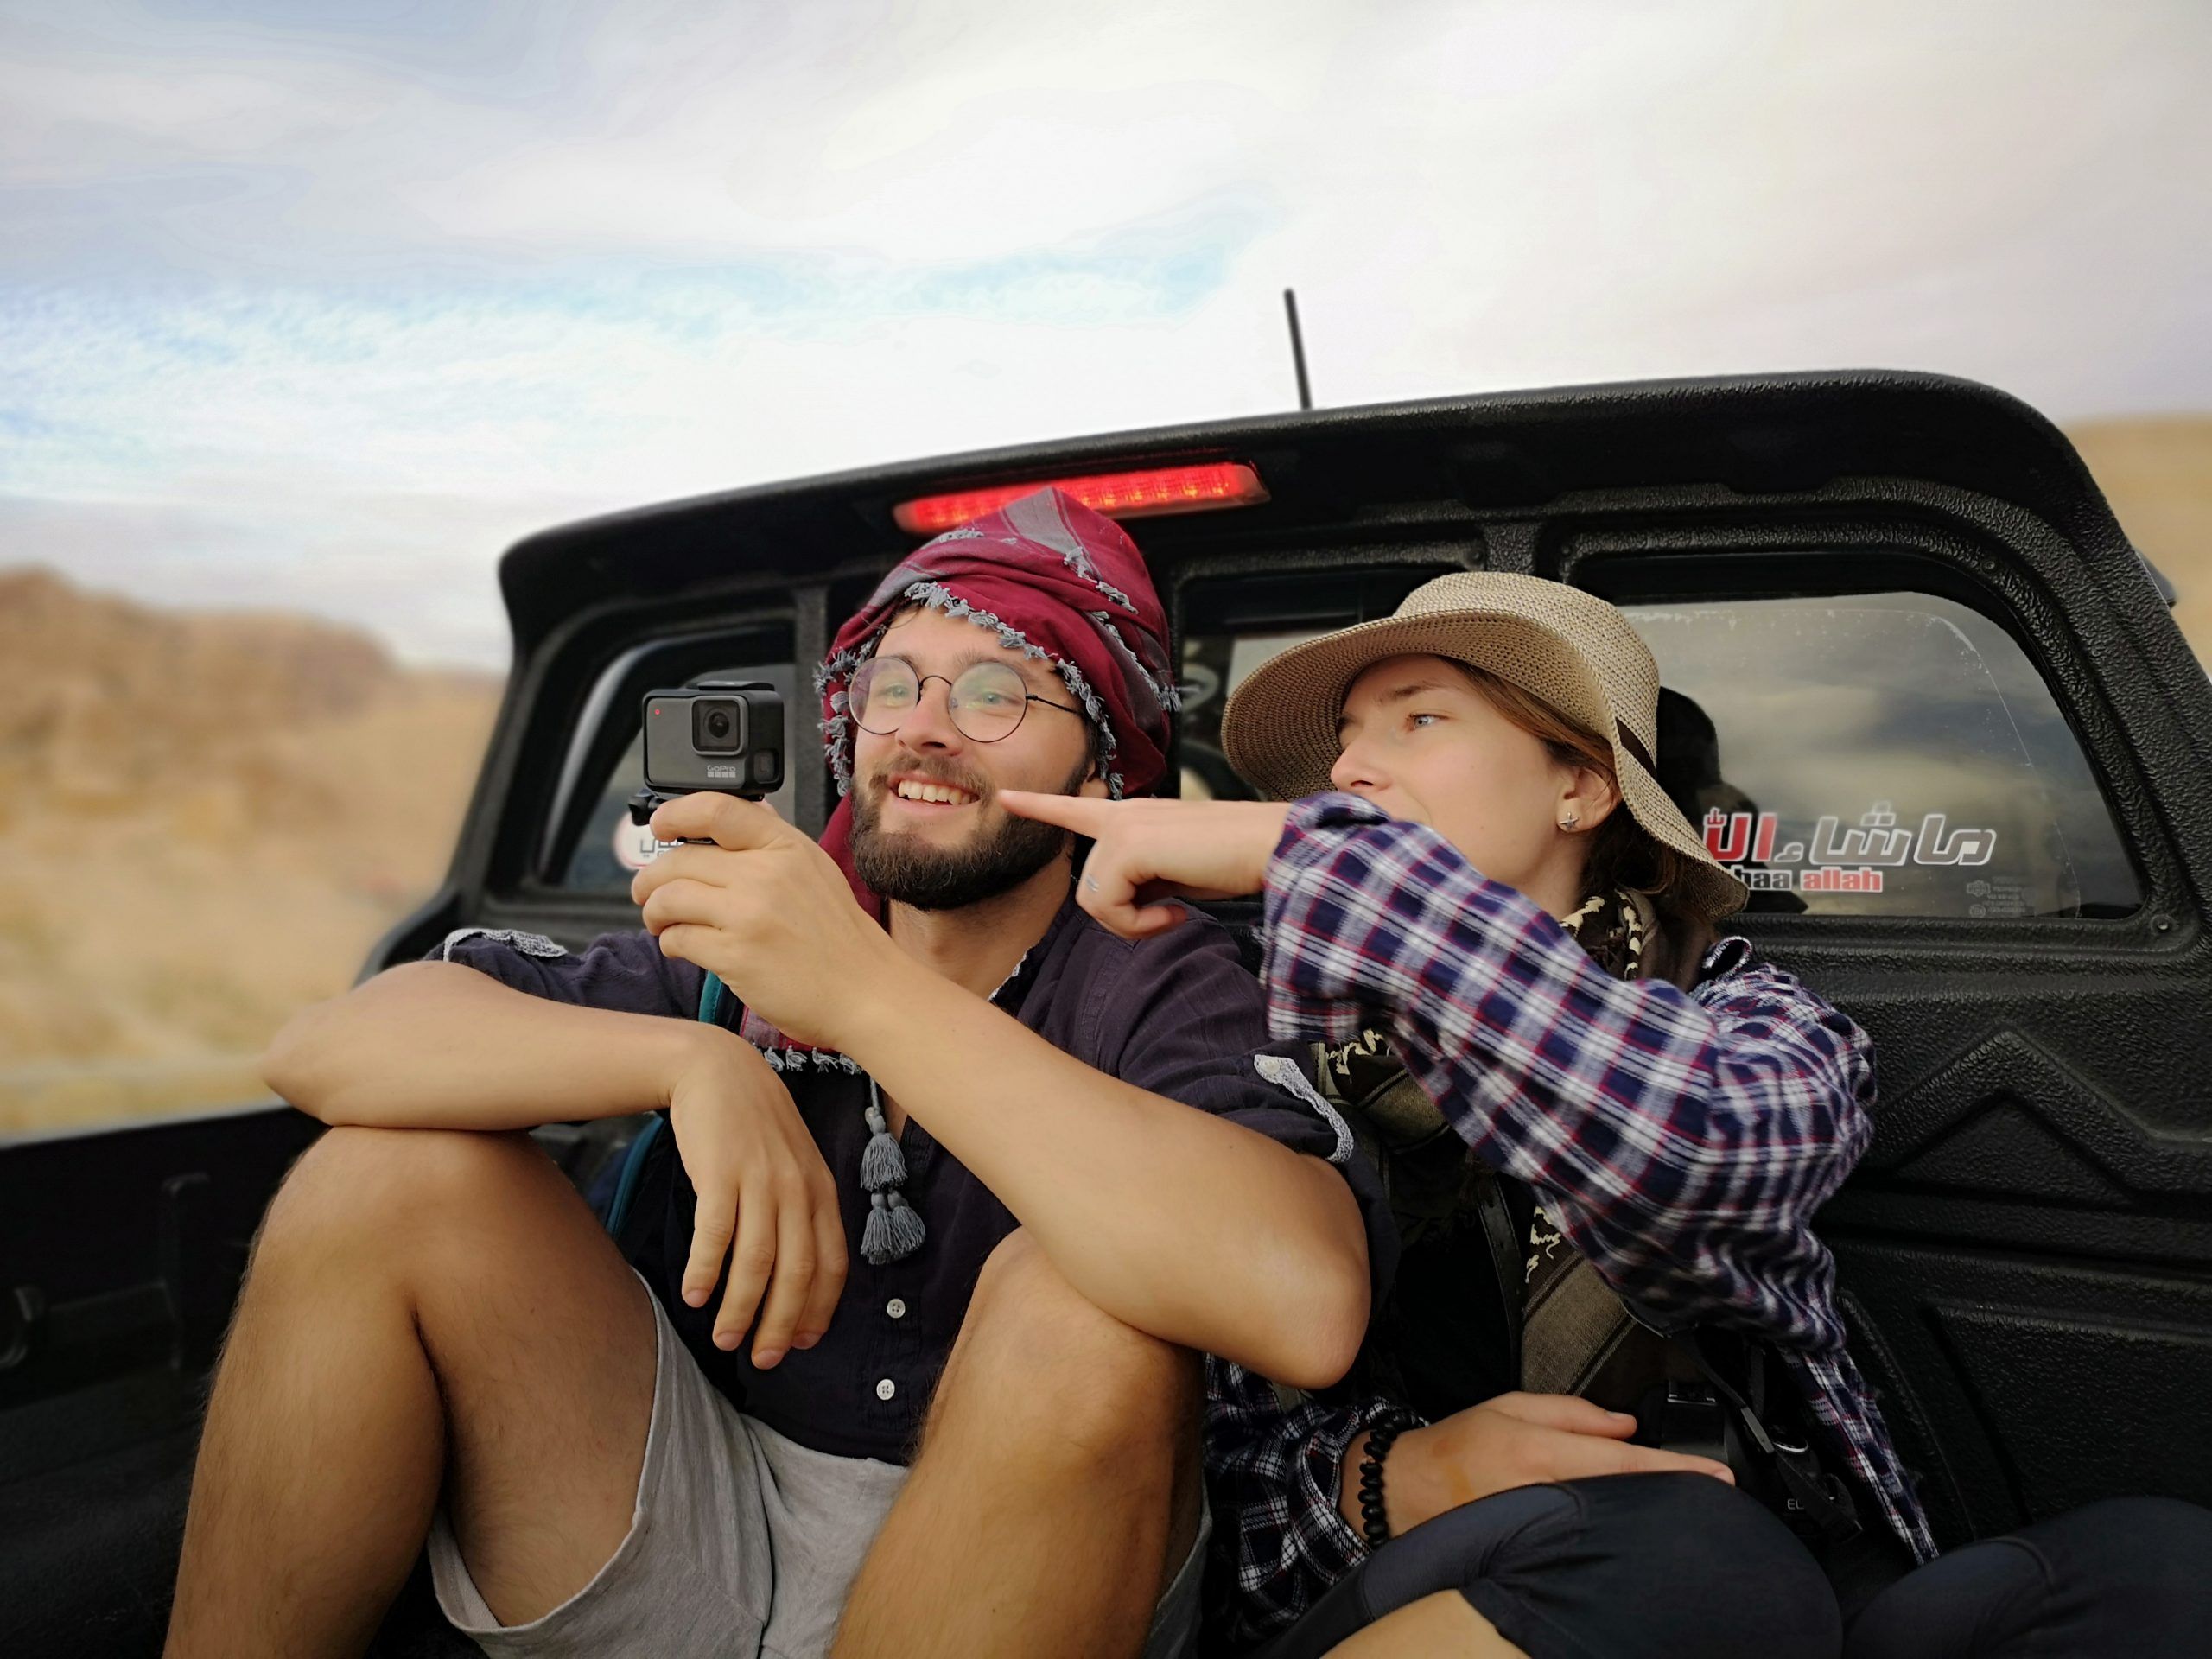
(1891, 755)
(1232, 625)
(1888, 755)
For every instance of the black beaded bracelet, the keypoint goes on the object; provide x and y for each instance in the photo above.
(1374, 1518)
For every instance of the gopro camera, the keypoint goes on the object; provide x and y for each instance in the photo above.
(725, 736)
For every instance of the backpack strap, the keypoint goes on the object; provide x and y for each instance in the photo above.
(1430, 1180)
(1507, 1267)
(1564, 1324)
(1574, 1327)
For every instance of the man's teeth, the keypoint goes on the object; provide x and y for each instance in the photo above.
(943, 793)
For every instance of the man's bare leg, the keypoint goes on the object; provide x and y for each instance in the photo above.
(1057, 1491)
(422, 1306)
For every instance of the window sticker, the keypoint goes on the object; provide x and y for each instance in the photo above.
(1750, 844)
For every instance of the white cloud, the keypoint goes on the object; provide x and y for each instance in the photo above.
(337, 311)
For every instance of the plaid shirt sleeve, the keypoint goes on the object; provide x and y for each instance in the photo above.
(1273, 1473)
(1683, 1143)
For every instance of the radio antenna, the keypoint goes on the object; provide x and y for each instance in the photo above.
(1297, 348)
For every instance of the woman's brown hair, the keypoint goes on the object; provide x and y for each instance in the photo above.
(1622, 854)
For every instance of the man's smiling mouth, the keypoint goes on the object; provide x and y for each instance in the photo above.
(917, 789)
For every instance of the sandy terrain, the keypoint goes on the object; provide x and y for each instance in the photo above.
(2157, 473)
(207, 821)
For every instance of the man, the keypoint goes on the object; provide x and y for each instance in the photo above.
(437, 1338)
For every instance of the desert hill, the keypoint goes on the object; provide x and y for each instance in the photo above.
(206, 820)
(2156, 472)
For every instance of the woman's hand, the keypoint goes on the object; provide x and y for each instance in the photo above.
(1516, 1440)
(1148, 851)
(766, 1201)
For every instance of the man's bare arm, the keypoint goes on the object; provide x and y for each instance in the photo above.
(437, 1044)
(1184, 1225)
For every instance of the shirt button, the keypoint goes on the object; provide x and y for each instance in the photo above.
(886, 1389)
(896, 1308)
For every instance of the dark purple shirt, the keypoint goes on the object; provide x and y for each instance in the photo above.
(1177, 1015)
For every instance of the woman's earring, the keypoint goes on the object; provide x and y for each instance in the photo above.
(1570, 821)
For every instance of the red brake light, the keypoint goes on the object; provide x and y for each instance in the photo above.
(1118, 495)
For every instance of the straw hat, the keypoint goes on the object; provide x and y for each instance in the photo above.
(1569, 648)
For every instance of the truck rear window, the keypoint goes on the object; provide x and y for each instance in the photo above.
(1887, 755)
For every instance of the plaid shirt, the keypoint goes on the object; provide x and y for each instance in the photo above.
(1681, 1142)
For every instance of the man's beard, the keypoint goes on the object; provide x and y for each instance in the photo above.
(909, 871)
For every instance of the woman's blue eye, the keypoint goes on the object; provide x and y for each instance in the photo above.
(1422, 719)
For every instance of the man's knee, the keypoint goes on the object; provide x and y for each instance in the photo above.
(371, 1197)
(1041, 1353)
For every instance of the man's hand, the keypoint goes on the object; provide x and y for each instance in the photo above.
(1151, 851)
(767, 910)
(1516, 1440)
(766, 1201)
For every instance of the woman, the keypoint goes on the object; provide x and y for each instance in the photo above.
(1486, 869)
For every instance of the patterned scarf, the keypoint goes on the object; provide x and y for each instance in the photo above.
(1058, 582)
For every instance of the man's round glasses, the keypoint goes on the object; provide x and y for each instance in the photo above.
(987, 701)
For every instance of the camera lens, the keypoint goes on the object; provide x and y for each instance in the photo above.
(717, 725)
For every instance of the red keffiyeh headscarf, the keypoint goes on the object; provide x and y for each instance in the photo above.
(1055, 581)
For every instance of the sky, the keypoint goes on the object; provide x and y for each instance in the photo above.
(319, 306)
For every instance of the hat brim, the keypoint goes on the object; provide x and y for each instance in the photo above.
(1280, 728)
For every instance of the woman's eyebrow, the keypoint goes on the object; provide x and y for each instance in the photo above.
(1395, 694)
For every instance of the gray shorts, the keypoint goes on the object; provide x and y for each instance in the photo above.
(742, 1543)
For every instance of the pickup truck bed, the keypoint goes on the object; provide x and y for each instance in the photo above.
(1922, 686)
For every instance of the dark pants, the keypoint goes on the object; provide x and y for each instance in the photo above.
(1651, 1566)
(2129, 1576)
